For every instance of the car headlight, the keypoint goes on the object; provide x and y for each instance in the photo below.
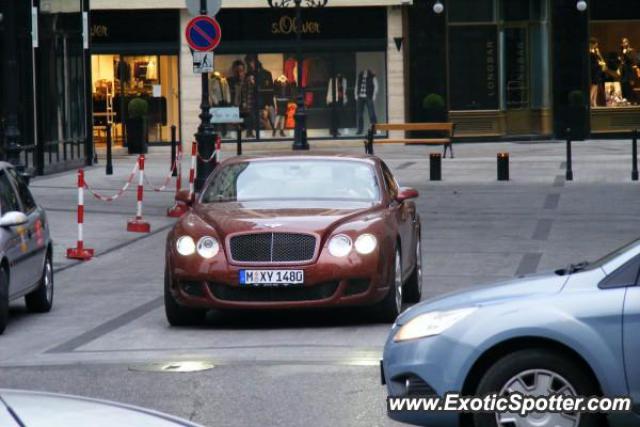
(340, 245)
(366, 243)
(208, 247)
(432, 323)
(185, 246)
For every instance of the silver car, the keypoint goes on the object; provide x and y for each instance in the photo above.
(25, 247)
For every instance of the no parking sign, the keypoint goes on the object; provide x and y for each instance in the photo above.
(203, 33)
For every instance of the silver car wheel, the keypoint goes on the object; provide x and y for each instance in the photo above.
(538, 382)
(48, 280)
(419, 265)
(398, 282)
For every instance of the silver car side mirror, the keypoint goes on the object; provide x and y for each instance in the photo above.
(13, 218)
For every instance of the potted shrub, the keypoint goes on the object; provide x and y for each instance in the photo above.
(435, 110)
(578, 115)
(137, 110)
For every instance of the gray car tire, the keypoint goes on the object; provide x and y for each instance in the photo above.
(41, 299)
(388, 309)
(509, 366)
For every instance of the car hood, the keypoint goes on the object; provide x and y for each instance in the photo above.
(523, 287)
(302, 216)
(40, 409)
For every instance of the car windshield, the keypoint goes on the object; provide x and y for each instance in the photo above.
(294, 180)
(586, 265)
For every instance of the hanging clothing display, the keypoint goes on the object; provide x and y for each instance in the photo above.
(219, 93)
(337, 90)
(291, 112)
(366, 91)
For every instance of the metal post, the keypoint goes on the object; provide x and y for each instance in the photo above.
(634, 156)
(173, 151)
(300, 132)
(569, 172)
(503, 166)
(239, 141)
(435, 167)
(109, 167)
(205, 137)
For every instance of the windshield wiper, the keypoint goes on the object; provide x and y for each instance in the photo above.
(11, 412)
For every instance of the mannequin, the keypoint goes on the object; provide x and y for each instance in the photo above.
(219, 95)
(264, 82)
(598, 67)
(336, 99)
(628, 67)
(283, 90)
(366, 92)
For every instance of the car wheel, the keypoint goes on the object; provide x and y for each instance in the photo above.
(391, 306)
(41, 299)
(4, 299)
(537, 372)
(178, 315)
(413, 287)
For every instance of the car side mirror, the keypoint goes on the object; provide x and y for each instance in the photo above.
(184, 197)
(406, 194)
(13, 218)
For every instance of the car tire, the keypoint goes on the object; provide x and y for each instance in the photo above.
(4, 299)
(521, 364)
(391, 306)
(413, 287)
(41, 299)
(178, 315)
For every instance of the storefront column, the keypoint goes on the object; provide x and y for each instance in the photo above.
(190, 87)
(12, 135)
(395, 69)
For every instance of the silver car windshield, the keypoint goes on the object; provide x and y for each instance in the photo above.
(294, 180)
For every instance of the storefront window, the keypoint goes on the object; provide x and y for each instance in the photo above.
(343, 92)
(614, 64)
(117, 79)
(471, 11)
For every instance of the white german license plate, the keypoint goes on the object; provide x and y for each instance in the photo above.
(271, 277)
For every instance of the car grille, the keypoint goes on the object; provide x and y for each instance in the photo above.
(273, 247)
(273, 294)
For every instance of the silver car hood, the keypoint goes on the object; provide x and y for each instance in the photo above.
(37, 409)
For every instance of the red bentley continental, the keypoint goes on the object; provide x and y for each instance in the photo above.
(295, 231)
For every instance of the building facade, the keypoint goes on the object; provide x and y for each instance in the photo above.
(142, 51)
(526, 69)
(44, 109)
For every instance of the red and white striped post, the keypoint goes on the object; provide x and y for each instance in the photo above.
(178, 209)
(80, 252)
(137, 224)
(218, 150)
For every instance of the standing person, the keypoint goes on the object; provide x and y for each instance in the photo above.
(366, 91)
(240, 93)
(628, 67)
(598, 66)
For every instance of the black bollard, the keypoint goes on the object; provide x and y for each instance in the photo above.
(174, 144)
(435, 167)
(634, 156)
(503, 166)
(239, 141)
(109, 167)
(569, 173)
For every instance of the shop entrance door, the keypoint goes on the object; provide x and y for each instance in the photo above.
(517, 88)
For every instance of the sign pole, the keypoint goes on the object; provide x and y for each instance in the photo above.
(205, 137)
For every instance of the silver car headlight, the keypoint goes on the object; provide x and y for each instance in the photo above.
(340, 245)
(366, 243)
(208, 247)
(186, 246)
(432, 323)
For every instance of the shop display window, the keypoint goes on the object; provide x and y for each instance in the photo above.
(117, 79)
(614, 64)
(343, 92)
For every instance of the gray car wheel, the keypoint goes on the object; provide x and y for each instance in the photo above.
(413, 287)
(41, 299)
(537, 372)
(391, 306)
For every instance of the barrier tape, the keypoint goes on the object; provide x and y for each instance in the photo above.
(215, 154)
(109, 199)
(169, 176)
(192, 171)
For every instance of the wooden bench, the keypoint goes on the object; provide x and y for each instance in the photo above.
(447, 128)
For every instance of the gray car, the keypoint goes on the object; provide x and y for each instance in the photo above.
(25, 247)
(572, 331)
